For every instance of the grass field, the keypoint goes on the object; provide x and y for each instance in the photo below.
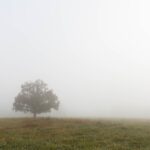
(74, 134)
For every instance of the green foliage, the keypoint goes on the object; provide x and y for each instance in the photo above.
(73, 134)
(35, 97)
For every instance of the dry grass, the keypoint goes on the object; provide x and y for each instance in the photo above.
(74, 134)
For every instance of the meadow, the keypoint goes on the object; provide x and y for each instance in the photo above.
(74, 134)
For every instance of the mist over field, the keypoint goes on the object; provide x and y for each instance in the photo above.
(94, 54)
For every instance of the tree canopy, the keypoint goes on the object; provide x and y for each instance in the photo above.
(36, 98)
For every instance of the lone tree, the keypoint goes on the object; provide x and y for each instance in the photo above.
(36, 98)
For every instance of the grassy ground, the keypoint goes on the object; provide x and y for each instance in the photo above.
(74, 134)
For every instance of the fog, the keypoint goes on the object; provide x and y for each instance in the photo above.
(94, 54)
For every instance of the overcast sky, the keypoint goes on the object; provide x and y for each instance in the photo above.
(94, 54)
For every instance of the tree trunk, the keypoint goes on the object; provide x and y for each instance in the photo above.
(34, 115)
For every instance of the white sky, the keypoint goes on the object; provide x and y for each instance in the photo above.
(95, 54)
